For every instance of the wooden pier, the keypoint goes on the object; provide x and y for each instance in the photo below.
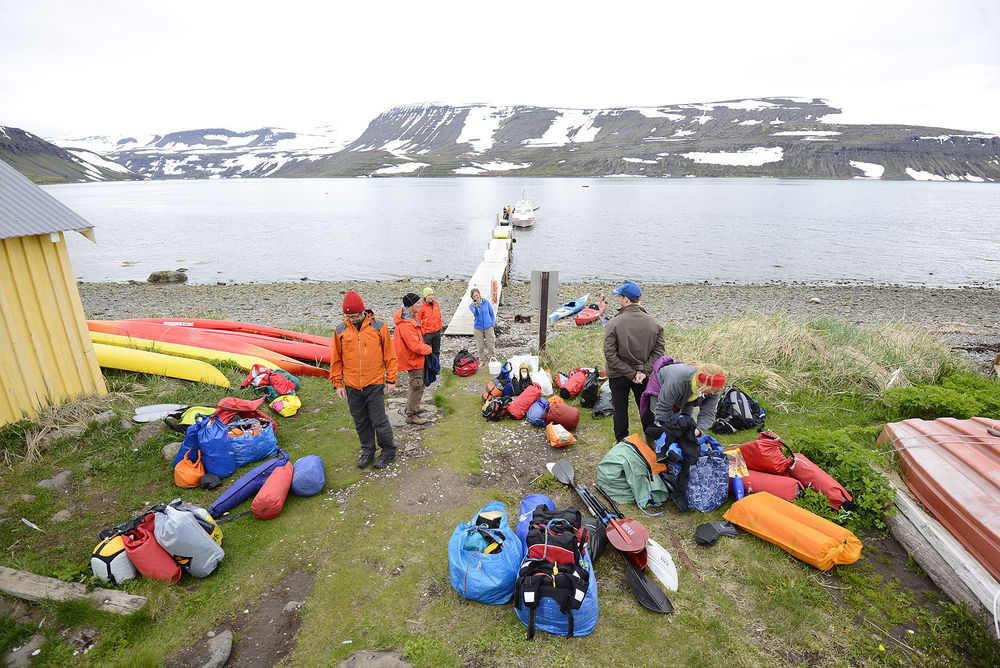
(490, 277)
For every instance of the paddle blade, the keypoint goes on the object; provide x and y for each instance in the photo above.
(627, 535)
(649, 595)
(563, 471)
(661, 565)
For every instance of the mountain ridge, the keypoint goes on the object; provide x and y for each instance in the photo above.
(781, 137)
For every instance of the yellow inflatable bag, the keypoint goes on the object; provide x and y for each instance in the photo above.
(287, 405)
(800, 533)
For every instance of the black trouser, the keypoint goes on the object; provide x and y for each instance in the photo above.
(620, 388)
(368, 410)
(433, 339)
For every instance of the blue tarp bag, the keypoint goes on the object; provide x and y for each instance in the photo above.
(551, 619)
(247, 486)
(309, 477)
(478, 570)
(528, 505)
(217, 454)
(536, 412)
(251, 439)
(708, 482)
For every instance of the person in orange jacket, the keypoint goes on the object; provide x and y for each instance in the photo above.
(410, 351)
(429, 316)
(363, 369)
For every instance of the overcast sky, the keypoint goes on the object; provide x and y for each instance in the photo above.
(76, 68)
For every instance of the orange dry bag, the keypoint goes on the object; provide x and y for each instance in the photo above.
(802, 534)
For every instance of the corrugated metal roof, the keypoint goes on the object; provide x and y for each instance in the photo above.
(26, 209)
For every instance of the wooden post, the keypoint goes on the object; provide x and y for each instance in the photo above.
(34, 587)
(542, 319)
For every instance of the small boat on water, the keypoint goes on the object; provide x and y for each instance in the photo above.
(590, 314)
(569, 308)
(523, 214)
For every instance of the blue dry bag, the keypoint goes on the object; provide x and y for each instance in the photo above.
(483, 559)
(309, 477)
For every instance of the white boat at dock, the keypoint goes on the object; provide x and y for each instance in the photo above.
(523, 214)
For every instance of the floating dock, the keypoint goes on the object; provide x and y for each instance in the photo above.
(490, 277)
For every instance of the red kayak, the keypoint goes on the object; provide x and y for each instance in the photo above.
(590, 314)
(311, 352)
(232, 325)
(199, 338)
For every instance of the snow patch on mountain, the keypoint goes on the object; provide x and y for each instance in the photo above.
(480, 124)
(870, 169)
(95, 160)
(570, 126)
(402, 168)
(918, 175)
(755, 157)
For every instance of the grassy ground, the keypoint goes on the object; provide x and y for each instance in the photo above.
(376, 544)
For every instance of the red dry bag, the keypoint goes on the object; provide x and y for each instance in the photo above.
(764, 454)
(564, 415)
(782, 486)
(572, 387)
(146, 554)
(271, 497)
(522, 402)
(813, 477)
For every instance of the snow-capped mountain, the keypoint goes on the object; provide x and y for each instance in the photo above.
(775, 136)
(44, 162)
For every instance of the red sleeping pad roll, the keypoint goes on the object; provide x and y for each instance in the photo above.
(764, 454)
(147, 556)
(522, 402)
(813, 477)
(271, 497)
(572, 387)
(564, 415)
(782, 486)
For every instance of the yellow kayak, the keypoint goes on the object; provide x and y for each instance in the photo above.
(180, 350)
(144, 361)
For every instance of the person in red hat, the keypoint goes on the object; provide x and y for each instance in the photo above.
(363, 369)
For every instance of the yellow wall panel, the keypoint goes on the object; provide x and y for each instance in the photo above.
(45, 351)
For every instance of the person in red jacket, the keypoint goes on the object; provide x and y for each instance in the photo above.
(363, 369)
(429, 316)
(410, 351)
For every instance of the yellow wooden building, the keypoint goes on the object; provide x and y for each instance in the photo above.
(45, 352)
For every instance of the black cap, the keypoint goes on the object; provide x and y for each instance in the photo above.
(209, 481)
(410, 299)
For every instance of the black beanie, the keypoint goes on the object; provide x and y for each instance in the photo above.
(410, 299)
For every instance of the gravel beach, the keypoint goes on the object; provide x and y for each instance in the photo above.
(968, 319)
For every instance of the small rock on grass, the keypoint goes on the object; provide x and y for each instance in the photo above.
(28, 498)
(219, 649)
(170, 450)
(106, 416)
(22, 656)
(369, 659)
(60, 482)
(61, 516)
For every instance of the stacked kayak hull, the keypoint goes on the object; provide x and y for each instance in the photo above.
(144, 361)
(178, 350)
(235, 326)
(198, 338)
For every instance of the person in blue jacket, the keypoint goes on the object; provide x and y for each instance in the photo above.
(482, 328)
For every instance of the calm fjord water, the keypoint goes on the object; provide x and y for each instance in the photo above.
(652, 230)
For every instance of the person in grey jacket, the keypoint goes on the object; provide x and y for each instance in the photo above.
(633, 340)
(684, 409)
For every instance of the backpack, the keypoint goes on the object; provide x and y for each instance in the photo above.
(465, 363)
(495, 408)
(536, 412)
(737, 410)
(498, 387)
(591, 389)
(555, 589)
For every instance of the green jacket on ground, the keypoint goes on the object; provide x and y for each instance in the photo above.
(633, 340)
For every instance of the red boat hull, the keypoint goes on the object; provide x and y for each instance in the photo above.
(589, 314)
(232, 325)
(953, 468)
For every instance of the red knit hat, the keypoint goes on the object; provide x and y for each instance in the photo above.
(353, 303)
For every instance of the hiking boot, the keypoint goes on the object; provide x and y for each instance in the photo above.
(365, 459)
(416, 419)
(384, 460)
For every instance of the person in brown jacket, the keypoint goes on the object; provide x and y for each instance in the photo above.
(363, 369)
(410, 351)
(633, 340)
(429, 316)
